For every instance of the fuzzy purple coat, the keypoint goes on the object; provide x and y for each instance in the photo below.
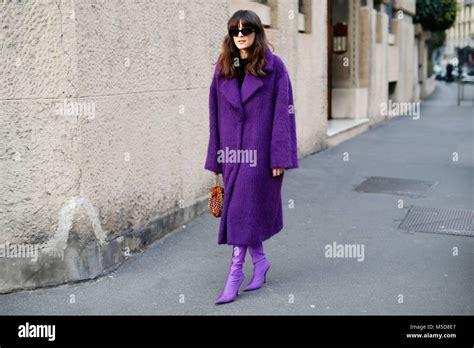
(258, 120)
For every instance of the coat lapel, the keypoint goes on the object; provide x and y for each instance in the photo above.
(250, 85)
(230, 90)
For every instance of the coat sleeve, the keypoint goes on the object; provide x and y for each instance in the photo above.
(284, 149)
(214, 143)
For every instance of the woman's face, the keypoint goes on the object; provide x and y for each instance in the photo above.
(244, 42)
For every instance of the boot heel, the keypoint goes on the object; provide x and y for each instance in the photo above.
(260, 267)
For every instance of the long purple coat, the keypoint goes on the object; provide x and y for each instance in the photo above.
(258, 118)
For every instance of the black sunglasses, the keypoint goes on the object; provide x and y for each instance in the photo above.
(245, 31)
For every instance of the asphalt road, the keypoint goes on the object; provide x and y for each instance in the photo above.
(401, 272)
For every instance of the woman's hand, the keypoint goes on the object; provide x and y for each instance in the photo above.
(277, 171)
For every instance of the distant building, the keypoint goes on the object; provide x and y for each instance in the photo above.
(461, 34)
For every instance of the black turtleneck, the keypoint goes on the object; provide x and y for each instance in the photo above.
(241, 70)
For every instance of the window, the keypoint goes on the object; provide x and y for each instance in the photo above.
(389, 11)
(304, 16)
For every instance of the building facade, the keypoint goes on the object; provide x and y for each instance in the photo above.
(461, 34)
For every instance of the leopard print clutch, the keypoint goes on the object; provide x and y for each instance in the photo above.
(216, 199)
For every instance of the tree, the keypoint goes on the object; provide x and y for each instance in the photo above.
(435, 15)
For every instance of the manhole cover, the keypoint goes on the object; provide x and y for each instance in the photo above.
(438, 220)
(394, 186)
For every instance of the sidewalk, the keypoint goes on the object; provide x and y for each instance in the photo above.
(189, 265)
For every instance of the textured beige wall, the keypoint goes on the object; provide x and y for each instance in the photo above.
(311, 76)
(404, 31)
(378, 92)
(39, 168)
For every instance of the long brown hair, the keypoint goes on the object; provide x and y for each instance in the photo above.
(256, 51)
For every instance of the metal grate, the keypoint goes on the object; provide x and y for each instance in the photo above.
(397, 186)
(439, 220)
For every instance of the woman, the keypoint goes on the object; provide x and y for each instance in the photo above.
(252, 141)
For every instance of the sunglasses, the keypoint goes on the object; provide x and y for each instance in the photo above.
(245, 31)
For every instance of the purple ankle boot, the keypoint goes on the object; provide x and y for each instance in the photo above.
(235, 277)
(260, 267)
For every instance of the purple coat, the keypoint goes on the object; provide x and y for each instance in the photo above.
(260, 120)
